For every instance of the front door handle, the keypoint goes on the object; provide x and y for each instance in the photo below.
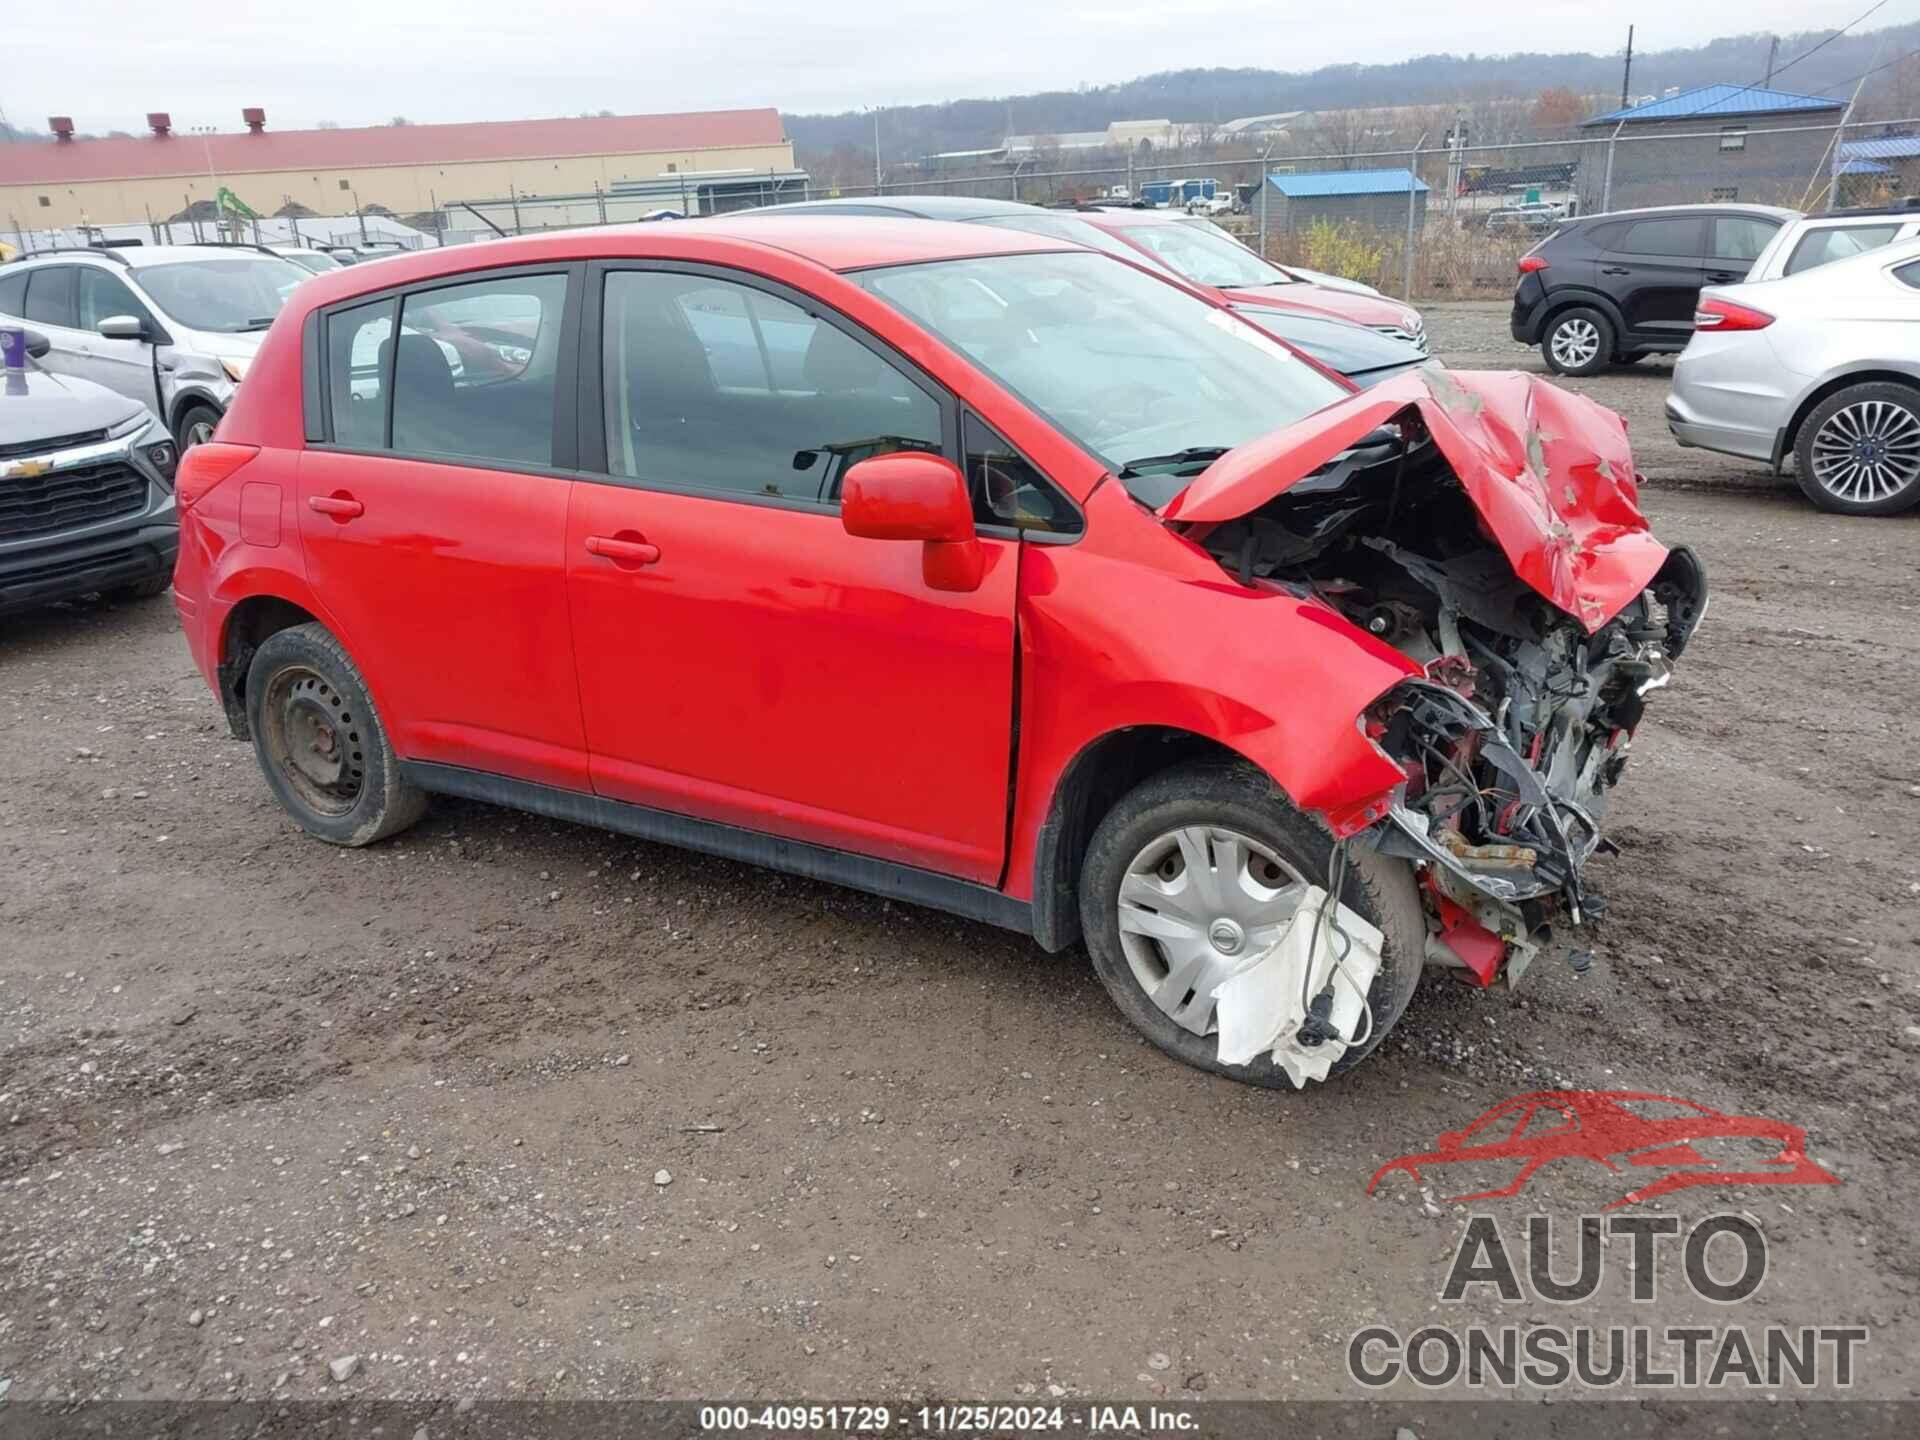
(1614, 270)
(340, 507)
(626, 549)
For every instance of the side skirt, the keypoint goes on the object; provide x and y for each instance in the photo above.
(795, 857)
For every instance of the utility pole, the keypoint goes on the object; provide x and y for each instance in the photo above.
(876, 152)
(1413, 194)
(1773, 53)
(1626, 75)
(1261, 191)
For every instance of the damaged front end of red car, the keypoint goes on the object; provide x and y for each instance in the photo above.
(1487, 526)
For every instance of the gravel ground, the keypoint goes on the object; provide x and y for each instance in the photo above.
(513, 1108)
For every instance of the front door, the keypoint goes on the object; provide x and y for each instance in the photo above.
(430, 532)
(1655, 269)
(122, 365)
(742, 658)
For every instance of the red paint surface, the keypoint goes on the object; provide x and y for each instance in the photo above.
(1529, 1132)
(1567, 515)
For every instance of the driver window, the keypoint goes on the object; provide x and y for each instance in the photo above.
(1008, 489)
(725, 387)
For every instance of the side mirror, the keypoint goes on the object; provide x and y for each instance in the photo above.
(910, 495)
(123, 327)
(37, 344)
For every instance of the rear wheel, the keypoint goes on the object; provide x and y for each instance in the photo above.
(1200, 867)
(1578, 342)
(321, 746)
(1858, 453)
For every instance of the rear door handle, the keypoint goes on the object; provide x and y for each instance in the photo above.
(341, 507)
(624, 550)
(1615, 270)
(1722, 277)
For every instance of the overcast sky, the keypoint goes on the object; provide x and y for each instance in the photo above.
(358, 62)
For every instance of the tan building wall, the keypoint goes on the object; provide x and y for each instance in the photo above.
(403, 189)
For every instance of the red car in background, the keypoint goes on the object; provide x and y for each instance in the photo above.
(961, 566)
(1197, 251)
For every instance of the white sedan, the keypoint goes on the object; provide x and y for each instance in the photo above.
(1823, 366)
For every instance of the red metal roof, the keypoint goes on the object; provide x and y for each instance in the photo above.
(148, 157)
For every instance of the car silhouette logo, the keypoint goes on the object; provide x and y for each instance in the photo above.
(1624, 1131)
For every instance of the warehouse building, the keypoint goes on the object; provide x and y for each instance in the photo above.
(405, 169)
(1718, 142)
(1377, 199)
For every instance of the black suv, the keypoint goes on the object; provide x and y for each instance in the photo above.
(1607, 289)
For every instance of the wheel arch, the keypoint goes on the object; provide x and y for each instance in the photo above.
(187, 400)
(1104, 769)
(1826, 390)
(1561, 301)
(246, 628)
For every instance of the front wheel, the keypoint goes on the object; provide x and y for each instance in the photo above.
(1859, 451)
(1197, 869)
(196, 426)
(1578, 342)
(322, 748)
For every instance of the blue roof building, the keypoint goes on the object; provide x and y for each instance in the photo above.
(1318, 184)
(1371, 198)
(1749, 144)
(1712, 102)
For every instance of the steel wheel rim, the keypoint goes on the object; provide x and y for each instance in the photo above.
(1867, 451)
(312, 737)
(198, 433)
(1576, 342)
(1196, 904)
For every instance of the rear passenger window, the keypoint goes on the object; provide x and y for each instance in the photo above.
(50, 295)
(1823, 247)
(725, 387)
(13, 293)
(1740, 237)
(356, 346)
(473, 369)
(1662, 237)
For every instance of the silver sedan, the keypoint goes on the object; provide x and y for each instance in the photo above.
(1823, 366)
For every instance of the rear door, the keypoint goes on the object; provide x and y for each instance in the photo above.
(433, 516)
(742, 658)
(1654, 269)
(52, 308)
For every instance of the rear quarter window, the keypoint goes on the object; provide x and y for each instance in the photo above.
(13, 293)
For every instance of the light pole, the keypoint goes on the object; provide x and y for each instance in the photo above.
(1261, 190)
(1413, 193)
(874, 111)
(213, 181)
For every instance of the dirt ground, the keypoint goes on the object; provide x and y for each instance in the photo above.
(513, 1108)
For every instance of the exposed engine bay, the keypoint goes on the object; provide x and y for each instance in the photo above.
(1524, 717)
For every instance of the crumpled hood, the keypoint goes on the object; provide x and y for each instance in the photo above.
(1549, 472)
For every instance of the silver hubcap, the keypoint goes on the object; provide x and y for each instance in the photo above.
(1866, 452)
(1195, 905)
(198, 433)
(1575, 343)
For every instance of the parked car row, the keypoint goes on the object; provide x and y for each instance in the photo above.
(1007, 569)
(1798, 336)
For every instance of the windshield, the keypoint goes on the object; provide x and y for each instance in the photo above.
(1066, 227)
(228, 294)
(1149, 379)
(1206, 259)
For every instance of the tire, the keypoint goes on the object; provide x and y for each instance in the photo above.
(195, 425)
(1578, 342)
(320, 745)
(1880, 414)
(142, 589)
(1235, 797)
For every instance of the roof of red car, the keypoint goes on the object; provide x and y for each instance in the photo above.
(132, 157)
(837, 242)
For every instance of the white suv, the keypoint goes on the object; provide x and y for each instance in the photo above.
(172, 326)
(1816, 240)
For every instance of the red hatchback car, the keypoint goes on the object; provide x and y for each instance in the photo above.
(952, 564)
